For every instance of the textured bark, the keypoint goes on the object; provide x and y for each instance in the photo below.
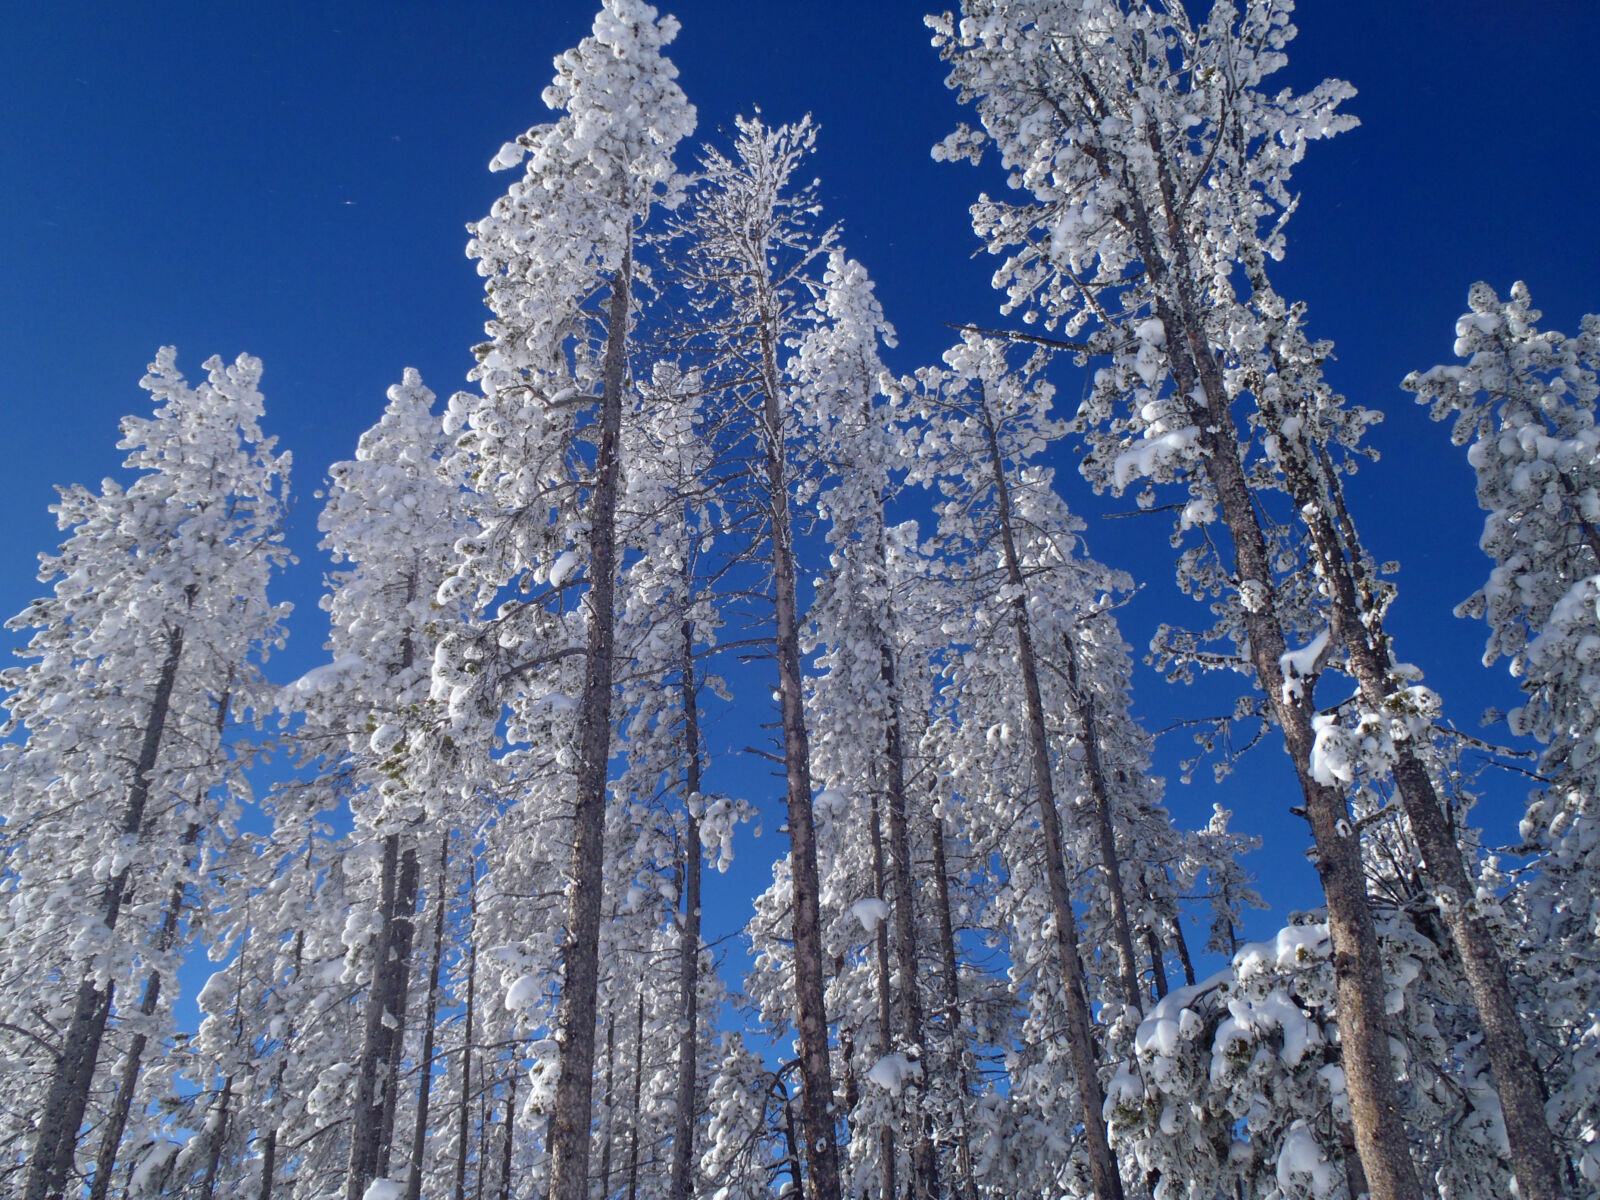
(1158, 968)
(950, 971)
(1181, 944)
(1110, 861)
(817, 1106)
(67, 1096)
(608, 1136)
(116, 1121)
(1103, 1174)
(208, 1183)
(399, 989)
(508, 1143)
(1358, 625)
(419, 1134)
(638, 1090)
(885, 1001)
(681, 1183)
(902, 902)
(463, 1115)
(1359, 987)
(580, 958)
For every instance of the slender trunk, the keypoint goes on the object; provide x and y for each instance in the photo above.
(116, 1121)
(1110, 862)
(791, 1145)
(1158, 968)
(609, 1129)
(638, 1090)
(580, 959)
(366, 1129)
(399, 989)
(902, 901)
(952, 1014)
(511, 1130)
(1358, 974)
(419, 1135)
(1181, 945)
(67, 1096)
(208, 1184)
(1359, 629)
(885, 1001)
(1103, 1173)
(816, 1075)
(681, 1184)
(463, 1122)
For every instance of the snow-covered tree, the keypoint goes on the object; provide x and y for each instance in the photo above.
(554, 380)
(125, 777)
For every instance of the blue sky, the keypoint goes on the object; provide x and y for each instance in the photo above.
(293, 180)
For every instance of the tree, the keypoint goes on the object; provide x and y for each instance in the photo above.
(158, 625)
(566, 229)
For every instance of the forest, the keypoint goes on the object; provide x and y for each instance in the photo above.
(431, 918)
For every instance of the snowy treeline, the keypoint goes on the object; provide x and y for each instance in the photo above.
(458, 945)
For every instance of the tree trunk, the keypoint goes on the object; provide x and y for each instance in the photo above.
(1158, 968)
(399, 989)
(952, 1010)
(419, 1136)
(208, 1184)
(511, 1130)
(1103, 1173)
(1110, 862)
(463, 1122)
(366, 1131)
(638, 1090)
(681, 1183)
(817, 1105)
(1359, 985)
(580, 965)
(608, 1130)
(880, 939)
(1359, 628)
(68, 1093)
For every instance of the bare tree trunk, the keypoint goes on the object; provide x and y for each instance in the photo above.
(580, 959)
(1106, 1180)
(1082, 702)
(821, 1145)
(208, 1184)
(1359, 628)
(885, 1002)
(1359, 987)
(511, 1130)
(638, 1089)
(952, 1008)
(463, 1124)
(902, 900)
(116, 1121)
(1158, 968)
(610, 1126)
(419, 1136)
(67, 1096)
(681, 1183)
(399, 989)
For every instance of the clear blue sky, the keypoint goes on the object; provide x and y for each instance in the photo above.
(293, 180)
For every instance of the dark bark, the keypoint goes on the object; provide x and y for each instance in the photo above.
(816, 1074)
(885, 1002)
(1158, 968)
(419, 1134)
(1082, 702)
(463, 1118)
(67, 1096)
(950, 971)
(507, 1145)
(638, 1093)
(609, 1135)
(902, 901)
(208, 1183)
(580, 959)
(681, 1182)
(405, 926)
(1104, 1177)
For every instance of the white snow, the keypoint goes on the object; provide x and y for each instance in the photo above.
(1298, 665)
(522, 993)
(317, 679)
(563, 567)
(871, 912)
(1157, 450)
(892, 1072)
(384, 1189)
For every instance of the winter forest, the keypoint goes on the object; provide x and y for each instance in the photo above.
(474, 906)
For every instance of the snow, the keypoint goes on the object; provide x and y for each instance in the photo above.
(384, 1189)
(1299, 665)
(522, 994)
(563, 567)
(317, 679)
(893, 1071)
(1158, 450)
(871, 912)
(1301, 1156)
